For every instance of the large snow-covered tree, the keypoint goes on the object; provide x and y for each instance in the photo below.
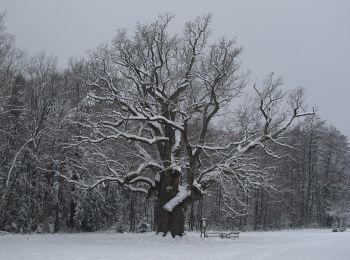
(156, 96)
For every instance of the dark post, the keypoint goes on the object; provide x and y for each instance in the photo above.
(203, 226)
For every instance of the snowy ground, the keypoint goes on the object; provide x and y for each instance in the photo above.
(284, 245)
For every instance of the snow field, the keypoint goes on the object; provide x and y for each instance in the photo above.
(280, 245)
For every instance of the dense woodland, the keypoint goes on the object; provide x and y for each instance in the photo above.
(72, 141)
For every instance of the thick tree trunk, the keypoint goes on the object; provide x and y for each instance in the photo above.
(172, 222)
(169, 222)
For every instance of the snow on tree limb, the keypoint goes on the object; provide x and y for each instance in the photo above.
(182, 194)
(161, 95)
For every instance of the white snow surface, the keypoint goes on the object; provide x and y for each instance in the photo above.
(281, 245)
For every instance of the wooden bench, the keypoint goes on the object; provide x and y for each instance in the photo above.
(215, 234)
(222, 235)
(233, 234)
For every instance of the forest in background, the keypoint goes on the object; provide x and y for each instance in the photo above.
(42, 167)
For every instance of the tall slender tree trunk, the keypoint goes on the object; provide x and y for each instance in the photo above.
(57, 222)
(132, 214)
(310, 173)
(191, 220)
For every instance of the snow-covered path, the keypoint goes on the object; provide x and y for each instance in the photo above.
(284, 245)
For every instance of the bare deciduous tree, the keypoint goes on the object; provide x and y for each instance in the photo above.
(161, 93)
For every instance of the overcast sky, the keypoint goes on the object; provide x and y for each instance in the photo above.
(307, 42)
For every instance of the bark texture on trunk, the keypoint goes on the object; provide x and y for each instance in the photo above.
(169, 222)
(172, 222)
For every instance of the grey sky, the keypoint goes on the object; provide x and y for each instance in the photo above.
(307, 42)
